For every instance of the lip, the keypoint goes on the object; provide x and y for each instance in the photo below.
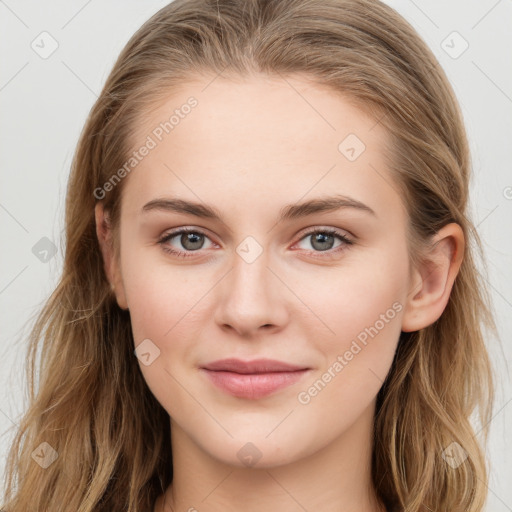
(253, 379)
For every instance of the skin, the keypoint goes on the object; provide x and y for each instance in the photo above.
(249, 148)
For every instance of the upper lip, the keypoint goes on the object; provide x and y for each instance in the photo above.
(254, 366)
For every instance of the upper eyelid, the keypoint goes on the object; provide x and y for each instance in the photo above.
(314, 229)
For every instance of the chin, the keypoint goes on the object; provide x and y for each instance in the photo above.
(255, 451)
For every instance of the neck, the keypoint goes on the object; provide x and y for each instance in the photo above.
(336, 478)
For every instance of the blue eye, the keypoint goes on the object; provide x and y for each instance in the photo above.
(192, 240)
(324, 239)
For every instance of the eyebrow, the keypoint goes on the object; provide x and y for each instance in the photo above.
(289, 212)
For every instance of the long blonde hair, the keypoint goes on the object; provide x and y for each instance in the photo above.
(92, 406)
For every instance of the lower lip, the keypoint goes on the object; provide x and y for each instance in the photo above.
(253, 385)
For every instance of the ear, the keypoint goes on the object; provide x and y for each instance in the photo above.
(433, 282)
(110, 260)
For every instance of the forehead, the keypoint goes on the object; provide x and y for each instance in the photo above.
(262, 141)
(276, 110)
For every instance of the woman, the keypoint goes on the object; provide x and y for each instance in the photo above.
(269, 297)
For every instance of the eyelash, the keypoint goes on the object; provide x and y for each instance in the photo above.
(189, 254)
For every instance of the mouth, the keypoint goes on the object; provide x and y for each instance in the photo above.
(253, 379)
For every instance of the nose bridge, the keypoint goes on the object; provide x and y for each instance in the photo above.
(250, 272)
(250, 294)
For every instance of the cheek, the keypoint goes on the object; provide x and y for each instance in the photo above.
(361, 305)
(160, 296)
(358, 355)
(165, 310)
(358, 294)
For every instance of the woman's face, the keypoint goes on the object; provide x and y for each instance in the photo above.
(321, 289)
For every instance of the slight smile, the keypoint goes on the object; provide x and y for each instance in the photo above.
(253, 379)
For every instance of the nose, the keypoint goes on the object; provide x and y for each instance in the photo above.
(251, 298)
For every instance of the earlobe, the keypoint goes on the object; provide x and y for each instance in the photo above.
(430, 292)
(110, 263)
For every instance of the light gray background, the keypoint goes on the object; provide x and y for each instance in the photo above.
(44, 104)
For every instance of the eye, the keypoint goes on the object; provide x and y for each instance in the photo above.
(192, 240)
(323, 240)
